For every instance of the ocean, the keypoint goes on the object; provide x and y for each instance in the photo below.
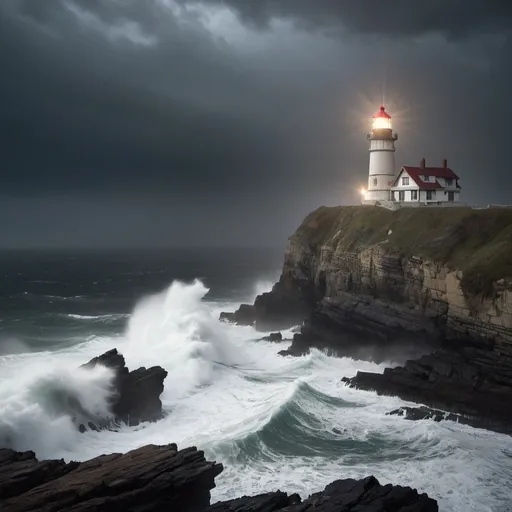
(274, 422)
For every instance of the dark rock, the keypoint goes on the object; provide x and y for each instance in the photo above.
(278, 309)
(226, 316)
(137, 393)
(426, 413)
(362, 328)
(261, 503)
(244, 315)
(341, 496)
(282, 308)
(273, 336)
(152, 478)
(474, 385)
(158, 478)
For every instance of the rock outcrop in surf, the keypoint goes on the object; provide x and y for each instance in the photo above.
(475, 384)
(154, 478)
(136, 394)
(381, 285)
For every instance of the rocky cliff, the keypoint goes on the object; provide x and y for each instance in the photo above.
(394, 285)
(445, 272)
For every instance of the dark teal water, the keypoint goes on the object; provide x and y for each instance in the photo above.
(44, 296)
(274, 422)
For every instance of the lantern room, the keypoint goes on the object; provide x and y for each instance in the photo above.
(381, 120)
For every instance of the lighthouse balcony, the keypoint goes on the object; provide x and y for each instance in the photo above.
(382, 134)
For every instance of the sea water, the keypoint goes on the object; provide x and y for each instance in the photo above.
(274, 422)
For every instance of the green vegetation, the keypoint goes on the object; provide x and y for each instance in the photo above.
(478, 242)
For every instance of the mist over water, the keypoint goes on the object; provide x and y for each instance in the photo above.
(274, 422)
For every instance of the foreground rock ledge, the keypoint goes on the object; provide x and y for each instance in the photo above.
(158, 478)
(147, 479)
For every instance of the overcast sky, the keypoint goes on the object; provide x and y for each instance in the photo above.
(224, 122)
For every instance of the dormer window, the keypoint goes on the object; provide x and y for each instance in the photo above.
(449, 182)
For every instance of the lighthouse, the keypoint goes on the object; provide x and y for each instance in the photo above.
(382, 172)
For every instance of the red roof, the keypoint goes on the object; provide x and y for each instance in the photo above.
(382, 113)
(437, 172)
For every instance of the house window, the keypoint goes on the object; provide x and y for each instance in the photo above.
(405, 180)
(449, 183)
(430, 194)
(414, 195)
(375, 182)
(401, 195)
(451, 196)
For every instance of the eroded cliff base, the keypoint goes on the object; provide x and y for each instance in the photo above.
(373, 284)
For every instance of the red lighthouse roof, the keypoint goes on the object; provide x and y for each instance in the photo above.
(382, 114)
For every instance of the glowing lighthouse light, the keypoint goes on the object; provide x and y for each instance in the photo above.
(381, 120)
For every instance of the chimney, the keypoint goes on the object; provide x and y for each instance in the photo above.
(445, 163)
(422, 163)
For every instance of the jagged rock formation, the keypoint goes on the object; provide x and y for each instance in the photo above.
(273, 336)
(281, 308)
(151, 478)
(394, 285)
(365, 495)
(136, 394)
(426, 413)
(157, 478)
(476, 384)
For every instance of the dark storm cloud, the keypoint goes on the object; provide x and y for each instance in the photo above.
(95, 98)
(221, 110)
(455, 18)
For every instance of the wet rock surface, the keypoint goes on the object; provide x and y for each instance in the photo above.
(361, 328)
(244, 315)
(274, 337)
(152, 478)
(137, 393)
(366, 495)
(474, 384)
(278, 309)
(157, 478)
(426, 413)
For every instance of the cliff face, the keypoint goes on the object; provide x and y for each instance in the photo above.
(429, 290)
(445, 273)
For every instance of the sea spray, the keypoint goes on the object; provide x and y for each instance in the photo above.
(231, 395)
(177, 330)
(262, 286)
(42, 406)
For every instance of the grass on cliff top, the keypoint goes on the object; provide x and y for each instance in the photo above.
(478, 242)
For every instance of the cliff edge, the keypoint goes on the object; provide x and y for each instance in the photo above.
(392, 286)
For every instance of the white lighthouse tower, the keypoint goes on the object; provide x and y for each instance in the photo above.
(382, 158)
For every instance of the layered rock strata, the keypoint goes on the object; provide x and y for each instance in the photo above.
(158, 478)
(476, 384)
(392, 286)
(152, 478)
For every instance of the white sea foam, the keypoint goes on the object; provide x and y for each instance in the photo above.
(262, 286)
(96, 317)
(233, 396)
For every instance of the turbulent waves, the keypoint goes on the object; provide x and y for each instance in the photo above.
(294, 429)
(275, 422)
